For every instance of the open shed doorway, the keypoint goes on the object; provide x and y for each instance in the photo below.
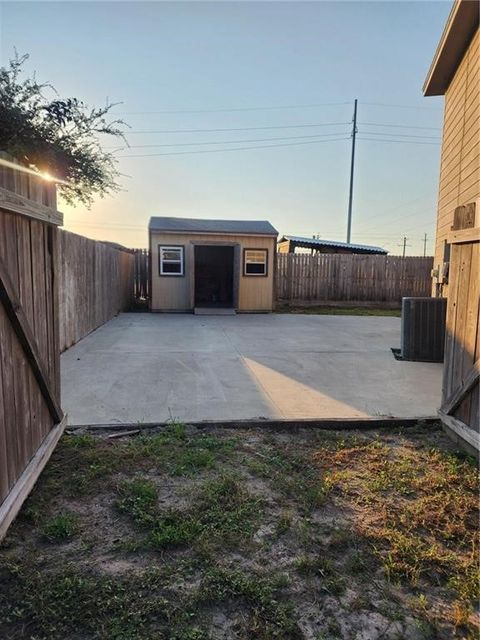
(214, 276)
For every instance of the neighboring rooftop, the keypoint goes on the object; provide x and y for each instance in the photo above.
(318, 243)
(199, 225)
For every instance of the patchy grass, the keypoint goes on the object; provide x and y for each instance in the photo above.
(191, 535)
(60, 527)
(84, 463)
(267, 617)
(293, 475)
(338, 311)
(222, 511)
(322, 567)
(138, 498)
(418, 506)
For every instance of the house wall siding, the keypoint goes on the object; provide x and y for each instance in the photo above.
(460, 158)
(174, 293)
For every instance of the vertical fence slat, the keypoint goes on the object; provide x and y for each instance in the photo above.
(356, 278)
(92, 289)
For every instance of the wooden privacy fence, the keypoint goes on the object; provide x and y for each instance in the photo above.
(356, 278)
(31, 420)
(96, 283)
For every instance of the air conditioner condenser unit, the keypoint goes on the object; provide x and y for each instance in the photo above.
(423, 329)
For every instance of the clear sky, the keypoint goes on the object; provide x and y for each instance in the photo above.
(195, 65)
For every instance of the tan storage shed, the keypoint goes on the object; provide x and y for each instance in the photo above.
(212, 266)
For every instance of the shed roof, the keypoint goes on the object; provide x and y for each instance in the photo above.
(199, 225)
(318, 243)
(462, 23)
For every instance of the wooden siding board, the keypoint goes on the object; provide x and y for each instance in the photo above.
(4, 479)
(471, 321)
(459, 174)
(9, 413)
(24, 291)
(464, 258)
(8, 246)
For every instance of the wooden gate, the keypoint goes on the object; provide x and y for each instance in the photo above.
(31, 420)
(460, 410)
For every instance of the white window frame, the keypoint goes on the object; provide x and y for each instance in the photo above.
(161, 249)
(246, 261)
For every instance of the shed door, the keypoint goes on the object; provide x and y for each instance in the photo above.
(214, 276)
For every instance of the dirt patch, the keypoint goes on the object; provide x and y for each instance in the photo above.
(189, 534)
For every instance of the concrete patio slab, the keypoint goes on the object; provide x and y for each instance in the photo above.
(152, 367)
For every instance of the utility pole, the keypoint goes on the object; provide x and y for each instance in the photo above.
(352, 167)
(424, 245)
(404, 244)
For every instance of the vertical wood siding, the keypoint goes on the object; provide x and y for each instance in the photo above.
(460, 158)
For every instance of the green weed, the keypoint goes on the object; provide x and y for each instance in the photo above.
(222, 511)
(70, 603)
(173, 530)
(284, 522)
(268, 617)
(190, 461)
(294, 477)
(138, 498)
(60, 527)
(332, 581)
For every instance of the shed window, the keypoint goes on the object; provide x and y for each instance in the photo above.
(171, 261)
(255, 262)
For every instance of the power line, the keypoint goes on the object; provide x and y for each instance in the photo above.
(313, 105)
(266, 146)
(436, 144)
(397, 126)
(235, 109)
(285, 126)
(400, 106)
(421, 225)
(399, 135)
(389, 237)
(400, 206)
(188, 144)
(402, 217)
(107, 225)
(316, 135)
